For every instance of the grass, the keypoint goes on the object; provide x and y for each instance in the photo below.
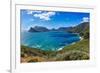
(77, 51)
(82, 45)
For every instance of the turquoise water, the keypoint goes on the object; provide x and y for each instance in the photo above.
(48, 40)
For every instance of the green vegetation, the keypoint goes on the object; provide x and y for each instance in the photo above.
(77, 51)
(82, 29)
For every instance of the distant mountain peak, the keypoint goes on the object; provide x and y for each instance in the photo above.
(38, 29)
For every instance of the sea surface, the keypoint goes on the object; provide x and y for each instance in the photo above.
(54, 40)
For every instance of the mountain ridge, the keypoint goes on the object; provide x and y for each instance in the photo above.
(76, 29)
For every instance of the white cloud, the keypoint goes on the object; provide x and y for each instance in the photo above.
(44, 15)
(85, 19)
(31, 11)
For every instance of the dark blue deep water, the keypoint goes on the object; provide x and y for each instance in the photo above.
(48, 40)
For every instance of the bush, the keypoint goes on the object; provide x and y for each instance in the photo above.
(72, 55)
(86, 35)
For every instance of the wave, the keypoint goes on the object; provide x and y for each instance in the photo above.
(60, 48)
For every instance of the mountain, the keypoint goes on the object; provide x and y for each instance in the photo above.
(76, 29)
(38, 29)
(32, 30)
(53, 29)
(82, 27)
(65, 29)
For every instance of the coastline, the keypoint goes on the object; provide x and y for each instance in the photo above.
(70, 44)
(81, 38)
(59, 49)
(71, 52)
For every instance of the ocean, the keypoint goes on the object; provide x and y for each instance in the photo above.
(52, 40)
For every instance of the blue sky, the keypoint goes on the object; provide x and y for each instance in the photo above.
(51, 19)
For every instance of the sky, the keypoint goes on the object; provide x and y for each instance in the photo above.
(51, 19)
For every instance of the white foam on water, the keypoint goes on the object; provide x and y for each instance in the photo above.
(36, 46)
(81, 38)
(60, 48)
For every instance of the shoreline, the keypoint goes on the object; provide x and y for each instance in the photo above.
(81, 38)
(70, 44)
(59, 49)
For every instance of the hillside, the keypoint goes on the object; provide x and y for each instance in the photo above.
(80, 28)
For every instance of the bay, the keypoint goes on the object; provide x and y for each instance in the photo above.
(52, 40)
